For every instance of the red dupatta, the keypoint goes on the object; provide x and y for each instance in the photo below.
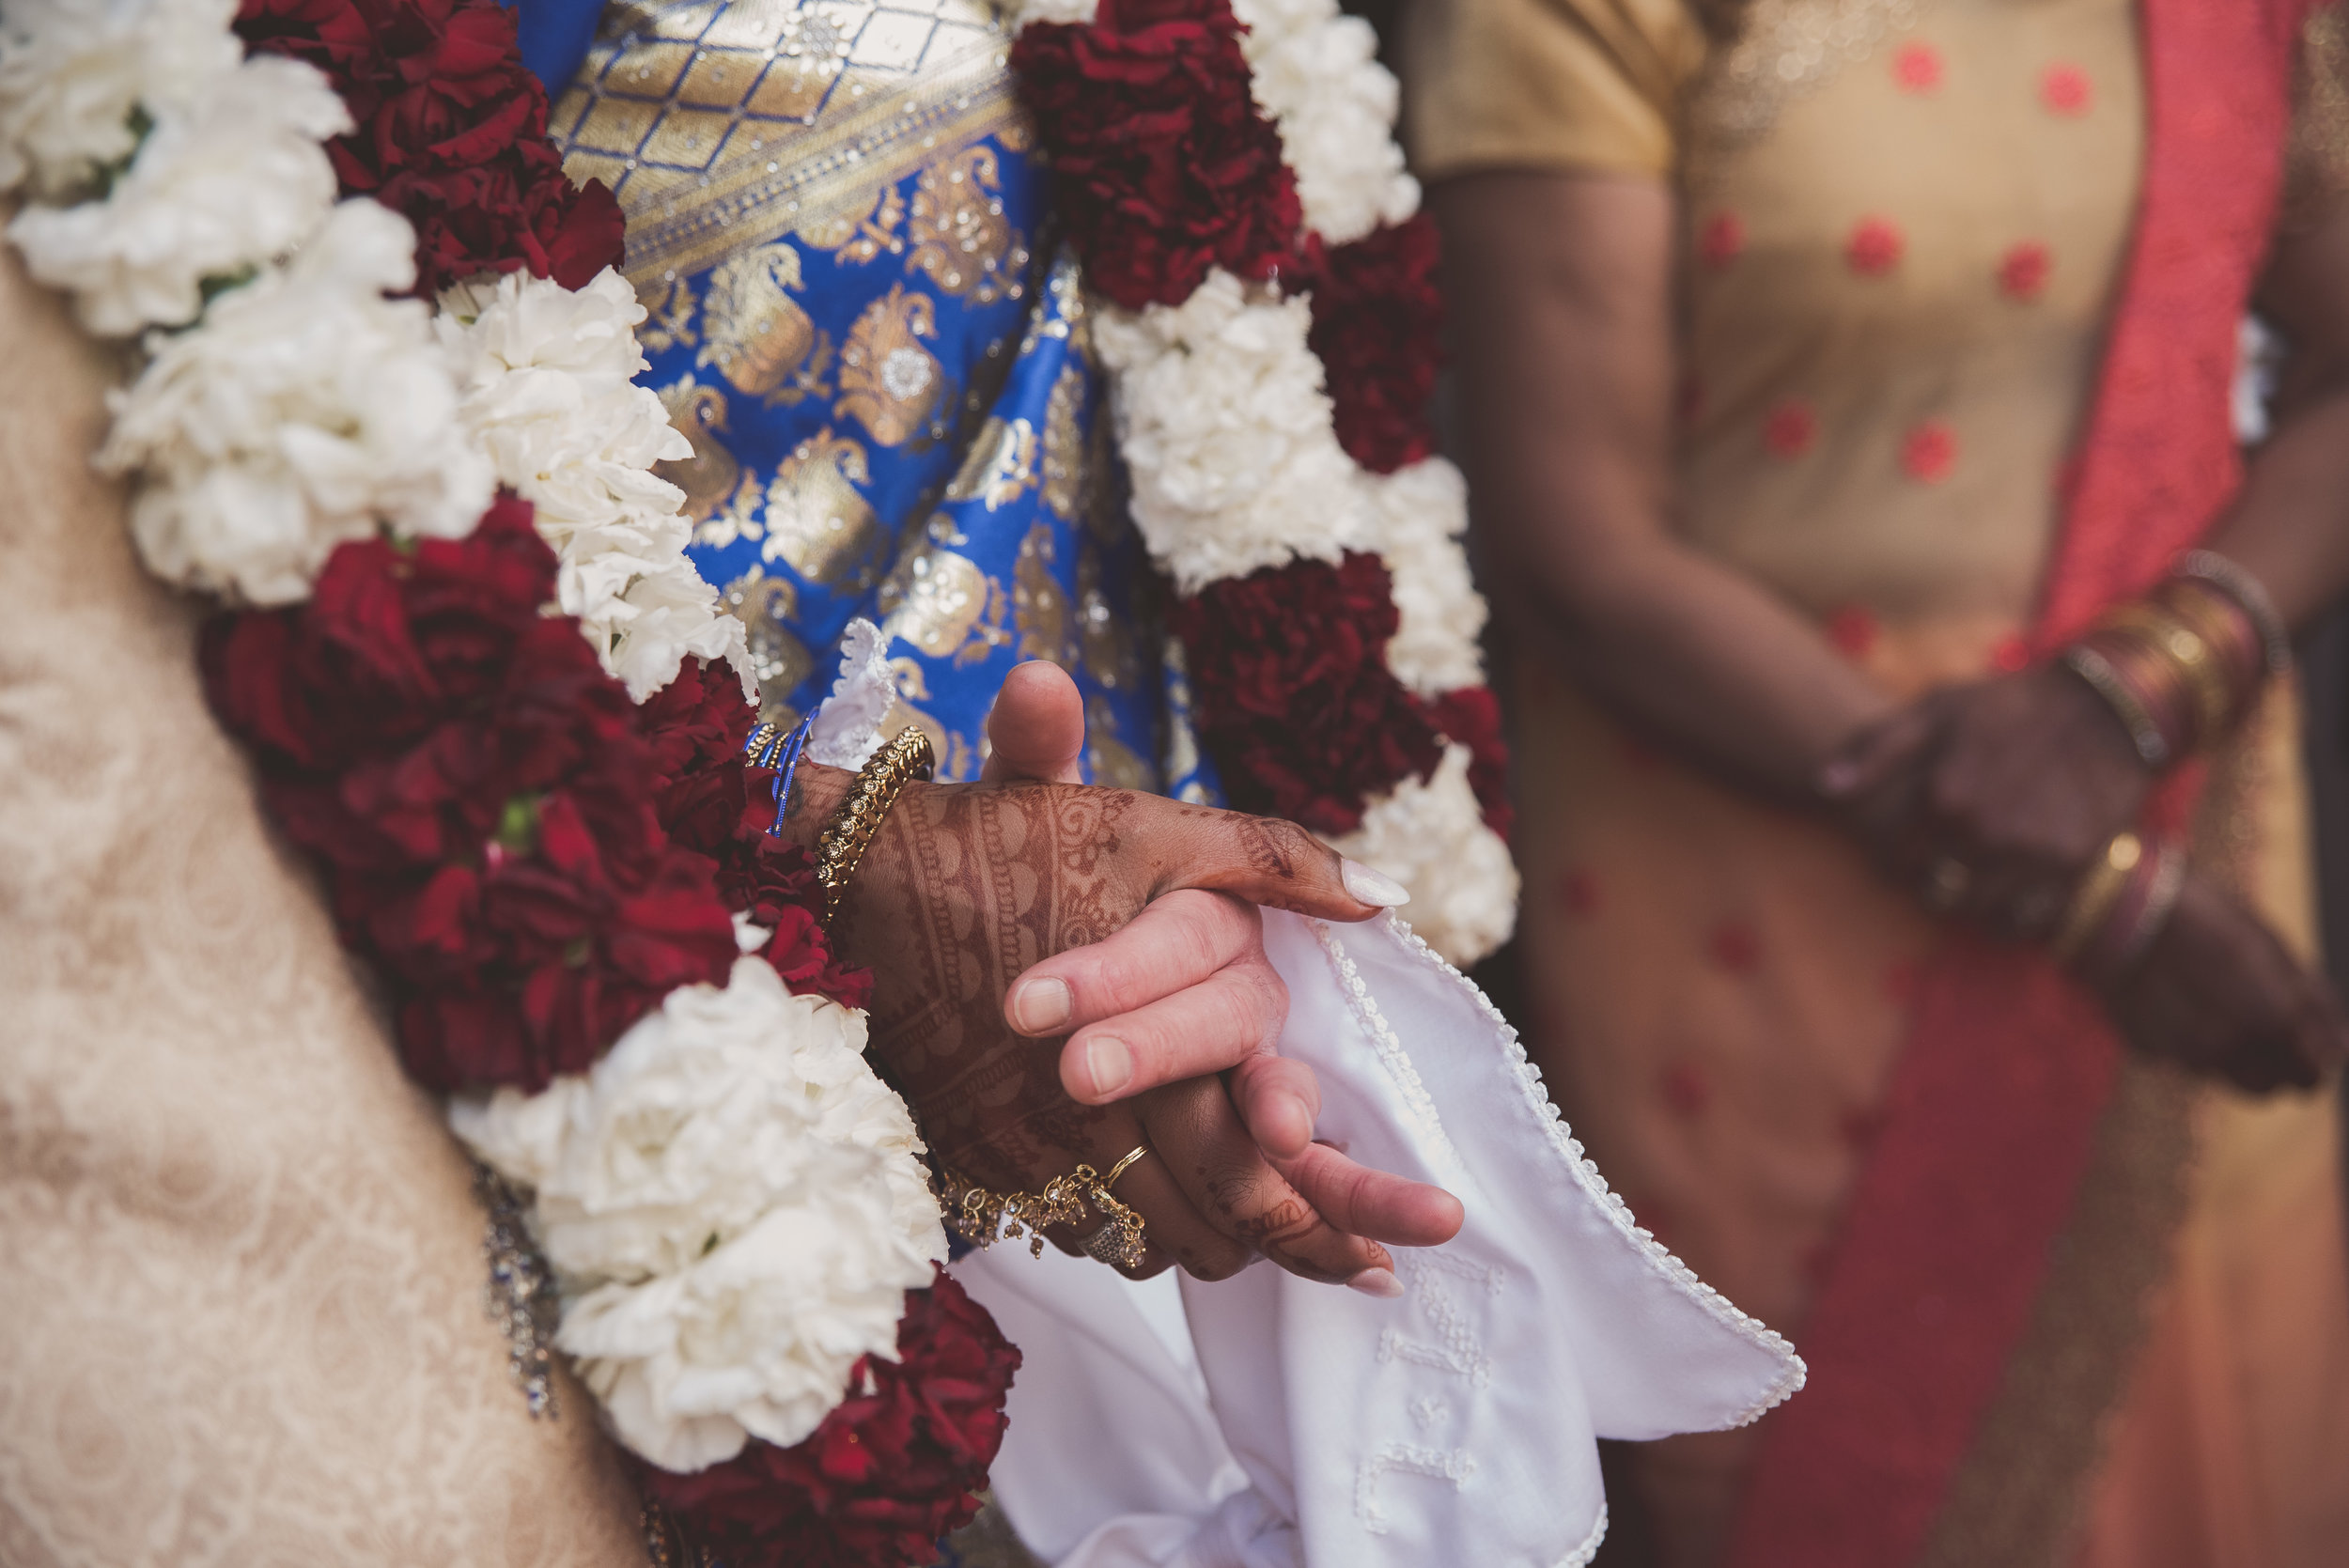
(1993, 1109)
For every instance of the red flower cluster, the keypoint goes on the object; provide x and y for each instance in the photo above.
(480, 795)
(1163, 163)
(452, 134)
(887, 1474)
(1294, 699)
(1471, 717)
(1377, 321)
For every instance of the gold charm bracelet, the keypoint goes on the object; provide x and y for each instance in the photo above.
(983, 1217)
(842, 844)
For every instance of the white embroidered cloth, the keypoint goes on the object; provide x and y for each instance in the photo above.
(1268, 1422)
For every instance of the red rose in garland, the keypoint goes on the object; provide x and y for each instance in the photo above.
(886, 1475)
(1163, 165)
(1293, 694)
(481, 796)
(1378, 325)
(1471, 717)
(452, 135)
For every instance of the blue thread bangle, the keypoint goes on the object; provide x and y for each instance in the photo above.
(769, 747)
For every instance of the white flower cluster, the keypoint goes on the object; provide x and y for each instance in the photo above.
(733, 1205)
(547, 375)
(733, 1201)
(307, 409)
(1431, 837)
(1225, 429)
(1225, 421)
(1315, 73)
(227, 177)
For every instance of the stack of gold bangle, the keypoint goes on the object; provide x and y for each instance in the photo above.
(2120, 905)
(2181, 665)
(2098, 891)
(850, 833)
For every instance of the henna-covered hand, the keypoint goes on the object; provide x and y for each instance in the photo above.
(1146, 907)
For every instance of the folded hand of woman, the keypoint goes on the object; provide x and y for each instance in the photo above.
(2217, 993)
(1991, 800)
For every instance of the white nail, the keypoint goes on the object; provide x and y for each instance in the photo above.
(1379, 1283)
(1042, 1005)
(1111, 1064)
(1366, 885)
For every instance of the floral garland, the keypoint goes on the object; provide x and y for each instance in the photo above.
(1228, 173)
(483, 687)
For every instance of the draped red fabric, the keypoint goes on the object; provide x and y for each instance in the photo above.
(1995, 1102)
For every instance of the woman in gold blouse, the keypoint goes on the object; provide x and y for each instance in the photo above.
(1820, 357)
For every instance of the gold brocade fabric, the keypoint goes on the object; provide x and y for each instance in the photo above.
(1903, 225)
(241, 1266)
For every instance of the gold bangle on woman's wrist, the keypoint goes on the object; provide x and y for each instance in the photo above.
(2099, 890)
(850, 833)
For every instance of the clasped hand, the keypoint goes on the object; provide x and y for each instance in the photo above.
(1992, 798)
(1003, 917)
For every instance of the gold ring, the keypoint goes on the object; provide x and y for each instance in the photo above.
(1119, 1168)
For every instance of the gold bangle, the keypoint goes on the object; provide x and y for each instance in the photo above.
(841, 845)
(2099, 889)
(2182, 647)
(983, 1217)
(2102, 678)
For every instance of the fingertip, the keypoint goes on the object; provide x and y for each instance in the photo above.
(1378, 1283)
(1367, 884)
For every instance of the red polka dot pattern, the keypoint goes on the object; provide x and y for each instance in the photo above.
(2065, 89)
(1722, 240)
(1790, 430)
(1917, 69)
(1930, 452)
(2023, 270)
(1734, 946)
(2010, 654)
(1685, 1089)
(1852, 630)
(1874, 247)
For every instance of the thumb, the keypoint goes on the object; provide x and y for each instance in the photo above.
(1037, 728)
(1281, 867)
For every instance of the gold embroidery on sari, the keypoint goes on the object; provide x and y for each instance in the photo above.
(767, 606)
(941, 601)
(1064, 443)
(1107, 642)
(1000, 466)
(961, 240)
(719, 497)
(889, 382)
(817, 519)
(668, 314)
(1039, 609)
(859, 237)
(724, 127)
(759, 337)
(1110, 760)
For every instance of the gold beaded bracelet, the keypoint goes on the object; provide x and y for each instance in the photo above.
(983, 1217)
(850, 833)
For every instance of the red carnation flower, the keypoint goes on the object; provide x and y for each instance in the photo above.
(1163, 163)
(480, 795)
(1292, 693)
(1378, 321)
(1470, 717)
(887, 1473)
(452, 135)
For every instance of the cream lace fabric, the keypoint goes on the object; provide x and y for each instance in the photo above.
(240, 1264)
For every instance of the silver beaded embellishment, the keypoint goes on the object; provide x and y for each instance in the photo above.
(518, 1296)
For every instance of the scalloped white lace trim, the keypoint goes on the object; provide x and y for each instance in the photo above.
(1529, 1082)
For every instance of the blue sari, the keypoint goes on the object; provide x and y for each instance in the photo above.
(837, 223)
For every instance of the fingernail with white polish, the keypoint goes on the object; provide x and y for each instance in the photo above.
(1042, 1005)
(1109, 1063)
(1379, 1283)
(1367, 886)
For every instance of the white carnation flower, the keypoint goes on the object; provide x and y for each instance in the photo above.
(234, 179)
(1431, 837)
(735, 1205)
(1225, 429)
(1417, 514)
(550, 392)
(1316, 74)
(72, 72)
(306, 409)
